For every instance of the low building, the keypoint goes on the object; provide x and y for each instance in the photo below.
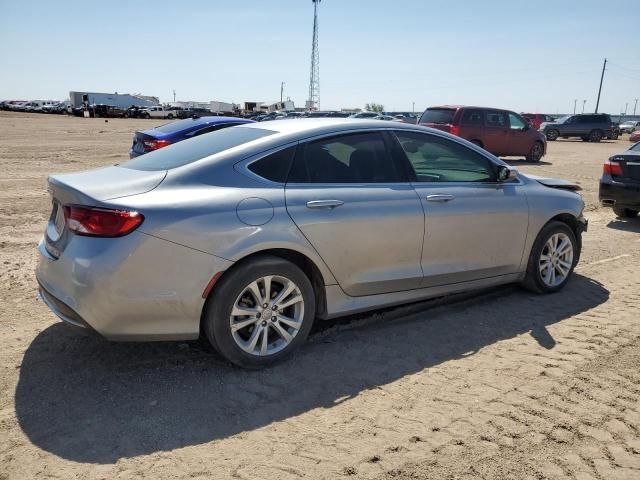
(122, 100)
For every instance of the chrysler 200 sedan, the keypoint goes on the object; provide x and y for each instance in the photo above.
(247, 234)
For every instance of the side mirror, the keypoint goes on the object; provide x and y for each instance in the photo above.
(505, 173)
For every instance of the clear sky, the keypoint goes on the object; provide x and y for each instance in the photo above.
(522, 55)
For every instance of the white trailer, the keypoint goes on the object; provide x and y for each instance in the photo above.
(220, 106)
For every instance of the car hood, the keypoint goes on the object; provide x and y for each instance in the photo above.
(556, 183)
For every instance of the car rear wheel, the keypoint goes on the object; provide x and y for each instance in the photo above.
(625, 212)
(584, 139)
(552, 260)
(170, 116)
(536, 152)
(595, 136)
(260, 312)
(147, 115)
(552, 134)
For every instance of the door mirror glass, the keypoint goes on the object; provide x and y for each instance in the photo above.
(505, 173)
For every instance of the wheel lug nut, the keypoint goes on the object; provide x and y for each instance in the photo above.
(273, 319)
(264, 323)
(275, 307)
(265, 305)
(258, 315)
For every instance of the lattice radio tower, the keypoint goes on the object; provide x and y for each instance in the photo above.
(314, 79)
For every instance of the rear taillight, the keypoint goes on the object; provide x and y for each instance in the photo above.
(454, 130)
(151, 145)
(101, 222)
(612, 168)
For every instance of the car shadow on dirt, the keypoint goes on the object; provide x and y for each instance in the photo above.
(627, 225)
(516, 162)
(88, 400)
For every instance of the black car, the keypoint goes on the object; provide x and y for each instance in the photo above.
(591, 127)
(194, 112)
(108, 111)
(620, 183)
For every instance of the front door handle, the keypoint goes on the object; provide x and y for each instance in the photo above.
(330, 204)
(440, 198)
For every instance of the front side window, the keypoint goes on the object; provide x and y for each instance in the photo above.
(352, 158)
(496, 119)
(516, 122)
(435, 159)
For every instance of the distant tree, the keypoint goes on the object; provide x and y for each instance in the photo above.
(374, 107)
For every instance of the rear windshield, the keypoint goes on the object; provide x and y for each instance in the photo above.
(173, 127)
(438, 115)
(196, 148)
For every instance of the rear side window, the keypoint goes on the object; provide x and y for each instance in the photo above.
(472, 117)
(436, 159)
(496, 119)
(438, 115)
(352, 158)
(274, 167)
(194, 149)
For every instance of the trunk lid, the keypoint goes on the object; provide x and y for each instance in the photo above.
(92, 188)
(630, 166)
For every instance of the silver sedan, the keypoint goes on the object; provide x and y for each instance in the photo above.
(248, 234)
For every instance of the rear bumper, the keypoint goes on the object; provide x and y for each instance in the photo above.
(617, 194)
(136, 287)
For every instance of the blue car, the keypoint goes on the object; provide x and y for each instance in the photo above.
(149, 140)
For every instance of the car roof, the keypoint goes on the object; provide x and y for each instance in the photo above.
(307, 127)
(456, 107)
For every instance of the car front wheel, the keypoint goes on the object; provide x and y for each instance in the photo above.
(553, 258)
(552, 134)
(536, 152)
(260, 312)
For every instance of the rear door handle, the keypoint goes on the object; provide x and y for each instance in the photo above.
(440, 198)
(330, 204)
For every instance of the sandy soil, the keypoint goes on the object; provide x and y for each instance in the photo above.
(503, 385)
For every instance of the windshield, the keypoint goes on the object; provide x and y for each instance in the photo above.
(189, 151)
(438, 115)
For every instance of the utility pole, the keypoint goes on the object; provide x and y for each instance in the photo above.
(584, 102)
(604, 65)
(313, 103)
(281, 90)
(174, 95)
(626, 105)
(575, 101)
(634, 106)
(413, 107)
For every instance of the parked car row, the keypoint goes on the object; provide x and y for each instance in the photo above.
(591, 127)
(34, 106)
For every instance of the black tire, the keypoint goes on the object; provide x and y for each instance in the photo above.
(170, 116)
(595, 136)
(584, 139)
(217, 312)
(552, 134)
(536, 152)
(614, 135)
(533, 279)
(625, 212)
(147, 115)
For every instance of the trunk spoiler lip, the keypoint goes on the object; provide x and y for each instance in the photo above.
(63, 187)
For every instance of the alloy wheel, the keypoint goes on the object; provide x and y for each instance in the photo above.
(267, 315)
(556, 259)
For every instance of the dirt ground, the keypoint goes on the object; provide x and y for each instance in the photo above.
(503, 385)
